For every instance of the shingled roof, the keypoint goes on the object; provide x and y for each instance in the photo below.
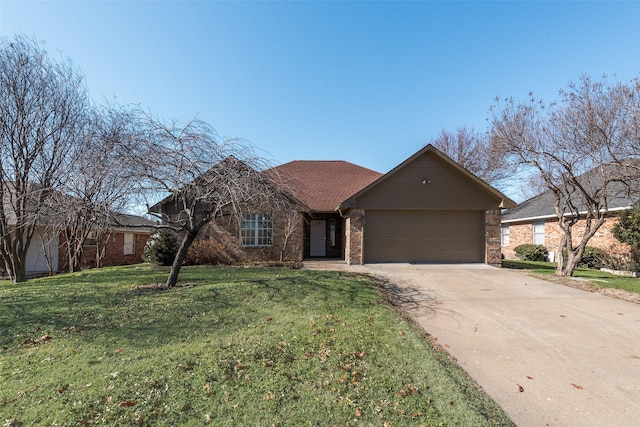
(542, 206)
(323, 184)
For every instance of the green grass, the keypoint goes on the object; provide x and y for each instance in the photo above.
(597, 277)
(228, 347)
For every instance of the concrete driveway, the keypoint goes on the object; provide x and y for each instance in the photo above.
(550, 355)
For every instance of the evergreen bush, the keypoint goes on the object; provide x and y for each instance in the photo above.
(627, 230)
(161, 248)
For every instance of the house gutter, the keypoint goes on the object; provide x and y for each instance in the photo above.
(534, 218)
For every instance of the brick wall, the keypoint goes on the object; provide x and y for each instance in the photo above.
(353, 236)
(518, 235)
(492, 238)
(113, 252)
(286, 230)
(603, 239)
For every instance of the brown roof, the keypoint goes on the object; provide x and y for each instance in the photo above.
(323, 185)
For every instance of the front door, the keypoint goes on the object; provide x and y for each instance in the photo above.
(318, 244)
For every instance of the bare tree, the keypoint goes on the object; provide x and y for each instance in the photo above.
(42, 107)
(585, 149)
(97, 184)
(206, 177)
(291, 224)
(476, 152)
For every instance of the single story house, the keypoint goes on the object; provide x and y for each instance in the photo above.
(427, 209)
(123, 245)
(535, 221)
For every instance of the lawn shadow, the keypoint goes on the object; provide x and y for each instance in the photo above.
(408, 297)
(526, 265)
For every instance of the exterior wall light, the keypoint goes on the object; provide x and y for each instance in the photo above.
(426, 181)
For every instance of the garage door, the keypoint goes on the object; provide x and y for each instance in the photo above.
(424, 236)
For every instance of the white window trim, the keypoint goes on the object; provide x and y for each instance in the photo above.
(129, 247)
(534, 234)
(255, 230)
(505, 238)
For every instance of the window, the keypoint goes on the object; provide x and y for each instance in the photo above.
(91, 239)
(504, 234)
(256, 230)
(332, 232)
(538, 233)
(129, 243)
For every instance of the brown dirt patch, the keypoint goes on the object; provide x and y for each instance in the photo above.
(160, 287)
(587, 285)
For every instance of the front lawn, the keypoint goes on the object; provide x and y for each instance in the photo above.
(228, 347)
(596, 277)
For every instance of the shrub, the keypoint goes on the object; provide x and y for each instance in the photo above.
(622, 261)
(627, 230)
(211, 252)
(161, 248)
(593, 258)
(530, 252)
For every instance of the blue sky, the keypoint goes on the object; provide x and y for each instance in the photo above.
(366, 82)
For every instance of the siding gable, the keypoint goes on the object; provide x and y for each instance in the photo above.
(445, 188)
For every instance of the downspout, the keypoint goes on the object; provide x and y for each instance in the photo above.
(345, 240)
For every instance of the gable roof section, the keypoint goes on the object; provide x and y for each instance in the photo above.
(542, 206)
(485, 188)
(323, 184)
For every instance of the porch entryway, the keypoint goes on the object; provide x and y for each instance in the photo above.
(324, 236)
(318, 238)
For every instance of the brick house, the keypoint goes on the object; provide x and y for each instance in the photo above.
(534, 221)
(427, 209)
(123, 245)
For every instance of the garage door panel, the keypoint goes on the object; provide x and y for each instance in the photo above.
(424, 236)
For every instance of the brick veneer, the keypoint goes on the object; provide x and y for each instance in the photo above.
(493, 254)
(520, 233)
(113, 252)
(225, 230)
(353, 236)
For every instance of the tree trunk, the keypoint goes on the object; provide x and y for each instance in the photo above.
(188, 239)
(20, 274)
(560, 256)
(18, 266)
(574, 256)
(572, 262)
(17, 261)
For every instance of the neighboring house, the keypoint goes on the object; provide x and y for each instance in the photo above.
(427, 209)
(123, 245)
(534, 221)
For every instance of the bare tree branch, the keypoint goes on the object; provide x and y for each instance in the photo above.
(206, 177)
(585, 149)
(476, 152)
(42, 113)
